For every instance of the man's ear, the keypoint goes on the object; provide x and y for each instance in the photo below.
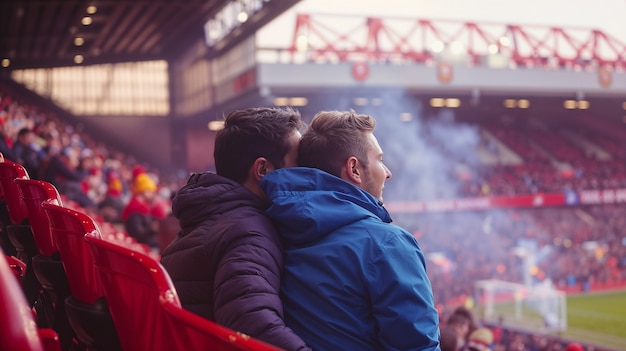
(260, 167)
(351, 171)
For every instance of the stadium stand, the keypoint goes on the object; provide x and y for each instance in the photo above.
(576, 244)
(484, 241)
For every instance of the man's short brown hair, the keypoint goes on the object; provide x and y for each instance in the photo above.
(252, 133)
(333, 137)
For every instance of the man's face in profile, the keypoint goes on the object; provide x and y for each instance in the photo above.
(376, 173)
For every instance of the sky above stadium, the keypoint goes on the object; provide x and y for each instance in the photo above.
(606, 15)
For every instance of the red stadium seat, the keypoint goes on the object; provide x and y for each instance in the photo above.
(145, 306)
(9, 171)
(18, 330)
(18, 230)
(192, 332)
(47, 265)
(17, 266)
(68, 227)
(5, 242)
(49, 339)
(133, 286)
(86, 308)
(33, 194)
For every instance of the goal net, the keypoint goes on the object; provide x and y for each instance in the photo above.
(534, 307)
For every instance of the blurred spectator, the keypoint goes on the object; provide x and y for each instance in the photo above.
(59, 169)
(467, 313)
(480, 339)
(6, 141)
(112, 205)
(462, 322)
(137, 215)
(26, 152)
(94, 184)
(448, 338)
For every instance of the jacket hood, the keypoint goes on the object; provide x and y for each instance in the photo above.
(208, 195)
(308, 204)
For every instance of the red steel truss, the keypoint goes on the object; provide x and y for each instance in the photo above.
(333, 38)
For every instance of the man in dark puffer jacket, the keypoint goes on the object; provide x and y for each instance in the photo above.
(227, 261)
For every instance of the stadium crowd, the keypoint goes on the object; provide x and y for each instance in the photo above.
(576, 248)
(558, 158)
(98, 178)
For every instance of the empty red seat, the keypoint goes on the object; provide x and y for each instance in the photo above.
(18, 230)
(17, 227)
(5, 242)
(47, 264)
(192, 332)
(145, 306)
(18, 330)
(9, 171)
(34, 193)
(86, 308)
(17, 267)
(68, 228)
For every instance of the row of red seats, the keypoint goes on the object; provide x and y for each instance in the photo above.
(97, 291)
(18, 330)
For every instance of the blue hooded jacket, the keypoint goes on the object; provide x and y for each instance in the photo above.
(352, 280)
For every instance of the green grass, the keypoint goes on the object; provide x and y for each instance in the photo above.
(596, 318)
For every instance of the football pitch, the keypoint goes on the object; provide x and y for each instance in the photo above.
(598, 318)
(594, 318)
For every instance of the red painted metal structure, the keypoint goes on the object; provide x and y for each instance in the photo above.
(400, 40)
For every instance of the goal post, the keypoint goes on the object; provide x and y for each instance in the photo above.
(526, 306)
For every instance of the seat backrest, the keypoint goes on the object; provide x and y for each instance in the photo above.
(192, 332)
(68, 229)
(34, 193)
(9, 171)
(134, 284)
(145, 307)
(50, 339)
(18, 267)
(1, 160)
(18, 330)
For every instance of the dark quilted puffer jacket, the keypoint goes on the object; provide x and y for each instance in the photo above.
(226, 262)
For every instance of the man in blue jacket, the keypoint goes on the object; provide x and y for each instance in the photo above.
(352, 280)
(227, 261)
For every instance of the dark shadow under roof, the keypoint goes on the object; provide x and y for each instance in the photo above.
(41, 33)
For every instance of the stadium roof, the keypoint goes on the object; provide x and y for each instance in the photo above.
(49, 33)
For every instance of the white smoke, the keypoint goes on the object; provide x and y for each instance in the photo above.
(423, 152)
